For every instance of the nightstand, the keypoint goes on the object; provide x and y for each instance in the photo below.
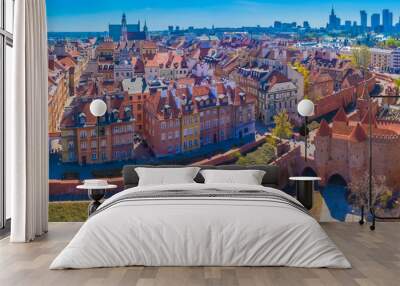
(305, 189)
(96, 194)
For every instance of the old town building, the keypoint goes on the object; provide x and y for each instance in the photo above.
(277, 93)
(185, 118)
(58, 93)
(137, 90)
(115, 130)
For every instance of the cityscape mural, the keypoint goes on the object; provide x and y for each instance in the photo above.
(210, 90)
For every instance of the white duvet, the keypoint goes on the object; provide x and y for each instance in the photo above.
(202, 232)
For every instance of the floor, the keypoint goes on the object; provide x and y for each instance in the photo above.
(375, 257)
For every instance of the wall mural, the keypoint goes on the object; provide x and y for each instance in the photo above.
(217, 95)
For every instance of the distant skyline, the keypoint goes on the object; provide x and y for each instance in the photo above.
(95, 15)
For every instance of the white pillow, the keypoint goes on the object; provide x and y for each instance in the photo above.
(166, 176)
(247, 177)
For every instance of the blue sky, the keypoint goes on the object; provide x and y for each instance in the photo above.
(95, 15)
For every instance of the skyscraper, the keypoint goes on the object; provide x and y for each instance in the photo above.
(364, 19)
(306, 25)
(334, 21)
(387, 20)
(375, 22)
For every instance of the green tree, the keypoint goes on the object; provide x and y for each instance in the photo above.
(283, 128)
(391, 43)
(361, 58)
(359, 195)
(306, 77)
(397, 85)
(262, 156)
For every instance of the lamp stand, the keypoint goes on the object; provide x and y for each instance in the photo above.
(306, 138)
(370, 204)
(98, 137)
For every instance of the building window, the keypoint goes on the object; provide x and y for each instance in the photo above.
(94, 156)
(83, 145)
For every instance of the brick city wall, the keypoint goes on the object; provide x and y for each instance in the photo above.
(342, 98)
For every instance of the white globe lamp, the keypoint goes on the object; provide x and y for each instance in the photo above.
(305, 108)
(98, 107)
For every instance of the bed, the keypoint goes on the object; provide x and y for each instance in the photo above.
(198, 224)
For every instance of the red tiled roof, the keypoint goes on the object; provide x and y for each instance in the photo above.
(67, 62)
(157, 60)
(358, 134)
(149, 45)
(317, 77)
(277, 77)
(338, 128)
(74, 53)
(157, 104)
(324, 129)
(341, 116)
(365, 120)
(106, 46)
(201, 90)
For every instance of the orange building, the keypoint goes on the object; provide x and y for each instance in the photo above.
(137, 90)
(162, 126)
(105, 59)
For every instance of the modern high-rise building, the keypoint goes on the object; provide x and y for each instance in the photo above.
(364, 19)
(387, 20)
(375, 22)
(306, 25)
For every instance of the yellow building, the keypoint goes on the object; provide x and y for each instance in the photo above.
(58, 93)
(190, 124)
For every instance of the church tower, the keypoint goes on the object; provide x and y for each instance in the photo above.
(124, 28)
(145, 30)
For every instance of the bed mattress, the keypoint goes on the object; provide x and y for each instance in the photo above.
(201, 225)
